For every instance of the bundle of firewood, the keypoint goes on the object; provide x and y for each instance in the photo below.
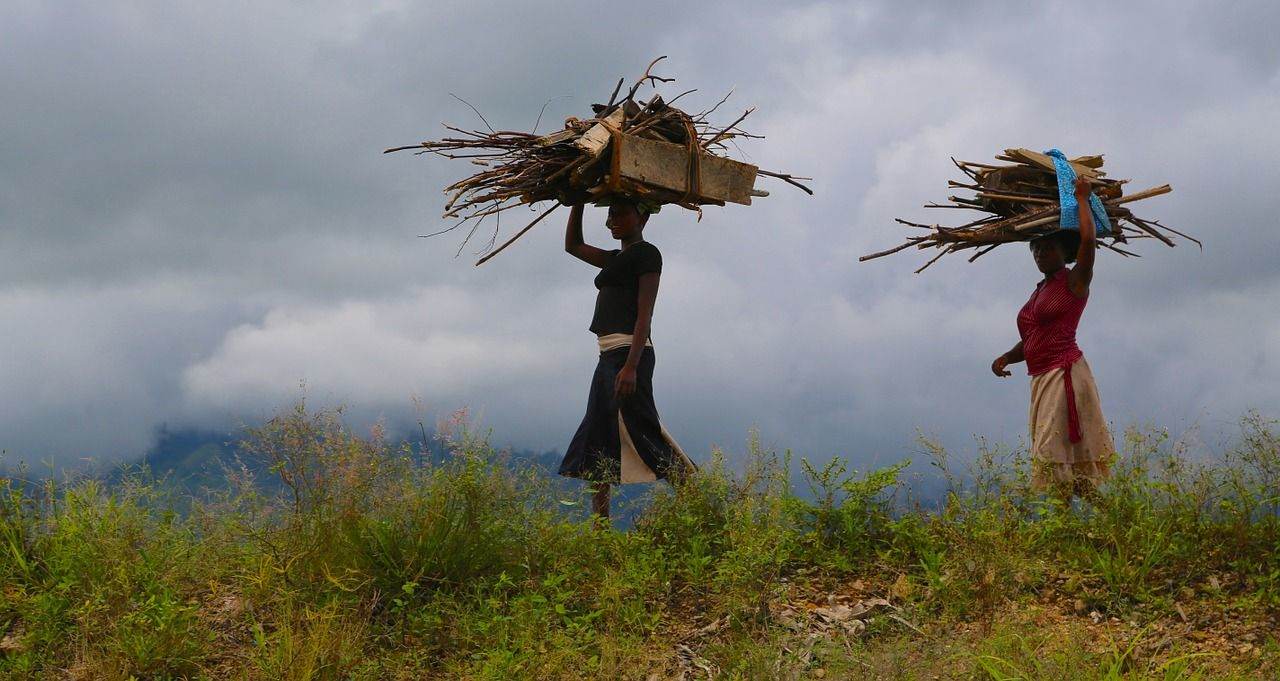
(1021, 203)
(643, 150)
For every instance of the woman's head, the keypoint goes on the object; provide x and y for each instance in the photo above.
(1054, 251)
(626, 219)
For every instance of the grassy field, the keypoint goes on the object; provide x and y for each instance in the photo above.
(366, 564)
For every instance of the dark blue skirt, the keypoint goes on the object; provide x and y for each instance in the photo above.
(595, 453)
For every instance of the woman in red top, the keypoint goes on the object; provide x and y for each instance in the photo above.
(1071, 448)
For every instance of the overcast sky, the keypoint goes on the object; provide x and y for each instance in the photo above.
(197, 226)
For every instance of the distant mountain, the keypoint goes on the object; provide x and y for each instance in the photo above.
(190, 459)
(194, 459)
(195, 462)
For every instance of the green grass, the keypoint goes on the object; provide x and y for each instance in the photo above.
(358, 561)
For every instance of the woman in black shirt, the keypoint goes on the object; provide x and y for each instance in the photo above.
(621, 438)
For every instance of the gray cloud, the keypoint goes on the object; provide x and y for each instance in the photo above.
(195, 217)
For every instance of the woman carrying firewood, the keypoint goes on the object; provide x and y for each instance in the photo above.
(621, 439)
(1071, 448)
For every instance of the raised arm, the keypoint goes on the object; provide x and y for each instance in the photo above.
(625, 384)
(575, 246)
(1082, 274)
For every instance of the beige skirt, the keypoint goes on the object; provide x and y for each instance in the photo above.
(1055, 459)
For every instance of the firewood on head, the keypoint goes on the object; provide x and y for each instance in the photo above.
(629, 147)
(1022, 202)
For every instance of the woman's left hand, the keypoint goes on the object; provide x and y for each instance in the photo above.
(1083, 187)
(625, 384)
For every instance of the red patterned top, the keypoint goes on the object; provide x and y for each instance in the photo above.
(1047, 324)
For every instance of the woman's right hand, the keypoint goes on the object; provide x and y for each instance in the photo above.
(1082, 188)
(998, 366)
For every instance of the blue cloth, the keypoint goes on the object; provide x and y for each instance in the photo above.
(1070, 218)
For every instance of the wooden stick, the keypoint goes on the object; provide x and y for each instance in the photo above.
(1121, 251)
(915, 224)
(1011, 197)
(1146, 194)
(1150, 230)
(612, 97)
(890, 251)
(984, 166)
(983, 252)
(652, 79)
(519, 234)
(1036, 223)
(1156, 223)
(568, 167)
(486, 123)
(411, 146)
(945, 251)
(963, 169)
(981, 221)
(702, 116)
(788, 179)
(722, 133)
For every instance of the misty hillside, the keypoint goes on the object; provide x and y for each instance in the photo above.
(352, 557)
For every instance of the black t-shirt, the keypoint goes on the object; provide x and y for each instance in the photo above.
(619, 286)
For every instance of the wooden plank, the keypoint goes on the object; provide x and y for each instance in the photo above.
(665, 165)
(1045, 161)
(1091, 161)
(556, 137)
(1144, 194)
(595, 139)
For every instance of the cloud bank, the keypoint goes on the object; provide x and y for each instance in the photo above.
(197, 227)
